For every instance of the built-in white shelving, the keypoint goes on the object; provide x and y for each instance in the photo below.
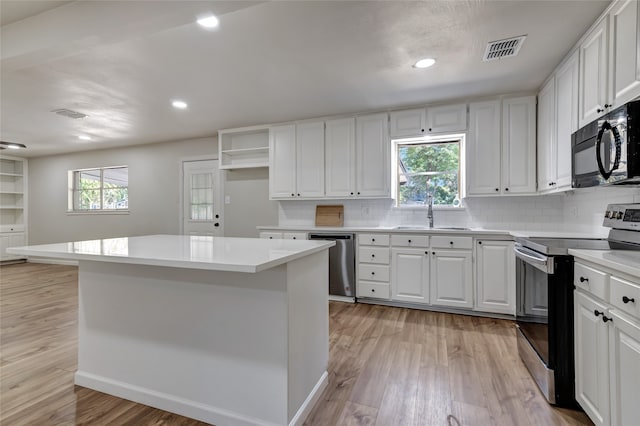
(243, 148)
(13, 205)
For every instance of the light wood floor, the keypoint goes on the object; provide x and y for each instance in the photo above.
(388, 366)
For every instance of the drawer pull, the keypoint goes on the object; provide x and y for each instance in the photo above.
(606, 319)
(373, 240)
(373, 273)
(583, 279)
(451, 242)
(597, 313)
(373, 255)
(373, 290)
(409, 241)
(625, 299)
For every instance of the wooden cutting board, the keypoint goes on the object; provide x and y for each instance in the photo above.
(330, 215)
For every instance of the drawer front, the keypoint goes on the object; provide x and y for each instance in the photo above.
(295, 235)
(625, 296)
(271, 235)
(374, 290)
(374, 255)
(408, 240)
(373, 239)
(443, 241)
(373, 272)
(591, 280)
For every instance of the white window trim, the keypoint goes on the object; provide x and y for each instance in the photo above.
(71, 193)
(429, 139)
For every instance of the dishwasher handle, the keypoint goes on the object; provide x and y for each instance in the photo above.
(330, 236)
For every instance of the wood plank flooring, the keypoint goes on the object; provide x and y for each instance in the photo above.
(388, 366)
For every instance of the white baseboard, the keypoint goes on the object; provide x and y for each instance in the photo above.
(52, 261)
(171, 403)
(311, 400)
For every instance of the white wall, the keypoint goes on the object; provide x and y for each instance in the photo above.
(154, 192)
(575, 211)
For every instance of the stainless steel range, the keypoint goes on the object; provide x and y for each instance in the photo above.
(544, 297)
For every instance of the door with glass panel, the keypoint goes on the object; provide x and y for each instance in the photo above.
(202, 210)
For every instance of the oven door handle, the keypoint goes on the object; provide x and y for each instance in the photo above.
(534, 259)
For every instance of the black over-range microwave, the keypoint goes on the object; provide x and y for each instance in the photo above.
(607, 150)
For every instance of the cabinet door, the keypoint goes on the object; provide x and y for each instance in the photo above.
(591, 358)
(566, 112)
(4, 245)
(372, 156)
(546, 137)
(340, 146)
(624, 345)
(447, 118)
(310, 159)
(407, 123)
(519, 145)
(410, 275)
(593, 73)
(450, 279)
(495, 277)
(282, 161)
(483, 153)
(624, 82)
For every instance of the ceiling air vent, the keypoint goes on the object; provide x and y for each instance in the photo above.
(70, 114)
(503, 48)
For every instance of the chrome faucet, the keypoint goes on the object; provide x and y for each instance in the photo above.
(429, 202)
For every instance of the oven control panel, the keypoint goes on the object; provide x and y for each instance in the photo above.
(622, 216)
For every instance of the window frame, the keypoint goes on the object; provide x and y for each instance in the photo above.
(72, 200)
(422, 140)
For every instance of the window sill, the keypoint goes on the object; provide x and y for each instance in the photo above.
(96, 212)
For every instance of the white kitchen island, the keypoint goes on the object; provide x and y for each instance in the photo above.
(230, 331)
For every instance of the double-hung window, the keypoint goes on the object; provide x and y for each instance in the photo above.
(429, 166)
(100, 189)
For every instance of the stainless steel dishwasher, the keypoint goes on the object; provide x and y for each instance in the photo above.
(342, 259)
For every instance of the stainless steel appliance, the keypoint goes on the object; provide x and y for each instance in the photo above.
(607, 150)
(544, 294)
(342, 261)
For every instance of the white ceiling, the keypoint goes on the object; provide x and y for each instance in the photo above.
(122, 63)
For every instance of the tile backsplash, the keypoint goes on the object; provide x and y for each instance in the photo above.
(572, 211)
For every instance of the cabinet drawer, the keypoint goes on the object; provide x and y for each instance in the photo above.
(625, 296)
(371, 289)
(443, 241)
(408, 240)
(295, 235)
(373, 255)
(373, 239)
(591, 280)
(271, 235)
(373, 272)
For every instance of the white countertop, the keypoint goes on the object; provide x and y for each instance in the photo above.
(182, 251)
(470, 231)
(626, 261)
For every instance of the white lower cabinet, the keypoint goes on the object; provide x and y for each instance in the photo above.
(11, 240)
(410, 274)
(451, 283)
(607, 346)
(283, 235)
(495, 277)
(592, 358)
(373, 266)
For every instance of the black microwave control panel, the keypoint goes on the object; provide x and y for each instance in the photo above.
(622, 216)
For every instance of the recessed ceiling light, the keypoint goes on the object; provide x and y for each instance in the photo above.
(424, 63)
(179, 104)
(209, 22)
(84, 137)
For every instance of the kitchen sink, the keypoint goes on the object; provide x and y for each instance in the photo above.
(418, 227)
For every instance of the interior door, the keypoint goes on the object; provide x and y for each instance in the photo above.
(201, 206)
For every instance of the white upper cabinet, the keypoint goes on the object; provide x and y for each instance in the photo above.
(447, 118)
(624, 83)
(594, 64)
(340, 146)
(310, 159)
(484, 148)
(519, 145)
(296, 161)
(282, 161)
(546, 135)
(566, 122)
(407, 123)
(372, 155)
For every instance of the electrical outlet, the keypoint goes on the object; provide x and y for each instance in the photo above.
(365, 211)
(573, 211)
(227, 199)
